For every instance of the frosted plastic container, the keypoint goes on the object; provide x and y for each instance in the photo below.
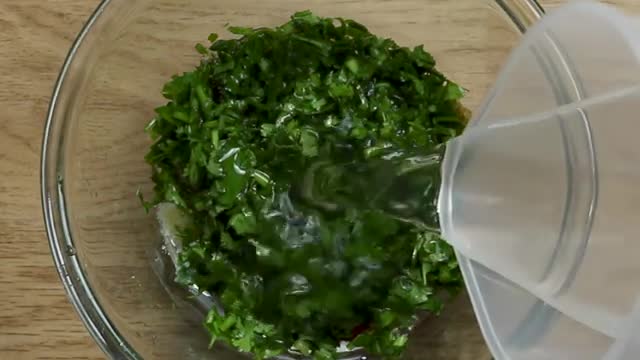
(540, 195)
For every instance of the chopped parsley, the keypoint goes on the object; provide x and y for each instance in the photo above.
(243, 128)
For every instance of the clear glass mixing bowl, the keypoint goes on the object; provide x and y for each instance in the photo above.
(106, 248)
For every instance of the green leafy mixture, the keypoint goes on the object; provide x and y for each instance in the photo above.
(241, 130)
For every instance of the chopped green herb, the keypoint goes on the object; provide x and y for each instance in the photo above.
(243, 128)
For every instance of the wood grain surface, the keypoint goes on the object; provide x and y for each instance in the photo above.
(36, 320)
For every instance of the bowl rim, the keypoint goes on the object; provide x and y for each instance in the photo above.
(521, 13)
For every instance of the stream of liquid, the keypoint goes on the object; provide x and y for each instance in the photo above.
(402, 184)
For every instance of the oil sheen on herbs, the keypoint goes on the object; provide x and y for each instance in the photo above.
(303, 161)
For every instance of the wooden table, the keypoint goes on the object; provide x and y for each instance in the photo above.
(36, 320)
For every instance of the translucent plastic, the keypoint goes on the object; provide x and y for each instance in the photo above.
(544, 194)
(107, 249)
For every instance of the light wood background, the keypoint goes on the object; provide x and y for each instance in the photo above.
(36, 320)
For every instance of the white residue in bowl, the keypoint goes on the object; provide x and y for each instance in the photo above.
(171, 220)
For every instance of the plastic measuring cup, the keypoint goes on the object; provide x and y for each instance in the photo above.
(539, 196)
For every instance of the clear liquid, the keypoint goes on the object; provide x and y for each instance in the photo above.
(406, 185)
(402, 184)
(165, 263)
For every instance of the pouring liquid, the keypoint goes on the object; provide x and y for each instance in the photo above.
(512, 202)
(531, 199)
(403, 184)
(407, 186)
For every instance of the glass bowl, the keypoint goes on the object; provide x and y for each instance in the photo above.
(107, 249)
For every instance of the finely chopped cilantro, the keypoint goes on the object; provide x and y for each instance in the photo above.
(240, 130)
